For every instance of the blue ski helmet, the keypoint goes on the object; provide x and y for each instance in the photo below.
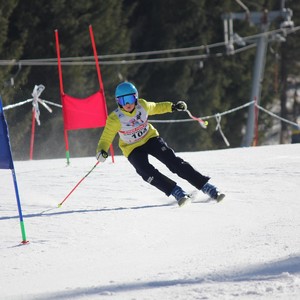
(125, 93)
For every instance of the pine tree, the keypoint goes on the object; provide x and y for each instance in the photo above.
(38, 20)
(210, 85)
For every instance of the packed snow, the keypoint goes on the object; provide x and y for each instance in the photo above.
(117, 237)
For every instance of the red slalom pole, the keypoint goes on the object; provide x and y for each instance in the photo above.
(60, 204)
(100, 81)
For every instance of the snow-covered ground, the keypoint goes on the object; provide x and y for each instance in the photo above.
(116, 237)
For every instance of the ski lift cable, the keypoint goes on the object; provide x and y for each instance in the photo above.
(134, 61)
(84, 60)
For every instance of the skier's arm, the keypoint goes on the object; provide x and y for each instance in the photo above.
(156, 108)
(111, 129)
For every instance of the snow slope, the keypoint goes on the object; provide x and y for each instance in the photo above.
(116, 237)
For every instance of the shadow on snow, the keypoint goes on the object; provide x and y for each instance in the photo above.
(47, 213)
(265, 272)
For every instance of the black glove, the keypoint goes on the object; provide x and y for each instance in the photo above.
(101, 156)
(179, 106)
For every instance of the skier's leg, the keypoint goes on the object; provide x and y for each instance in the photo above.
(183, 169)
(166, 155)
(139, 159)
(160, 150)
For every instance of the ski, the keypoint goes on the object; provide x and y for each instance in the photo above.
(220, 197)
(184, 201)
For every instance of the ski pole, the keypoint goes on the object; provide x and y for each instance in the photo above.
(60, 204)
(202, 123)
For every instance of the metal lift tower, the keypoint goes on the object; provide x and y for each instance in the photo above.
(262, 20)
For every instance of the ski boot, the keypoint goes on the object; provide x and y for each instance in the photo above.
(180, 195)
(212, 192)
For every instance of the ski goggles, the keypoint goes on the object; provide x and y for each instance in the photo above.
(127, 99)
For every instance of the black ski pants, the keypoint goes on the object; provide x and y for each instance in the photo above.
(158, 148)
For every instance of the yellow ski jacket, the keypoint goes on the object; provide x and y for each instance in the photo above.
(130, 125)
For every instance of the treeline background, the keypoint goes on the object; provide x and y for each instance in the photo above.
(209, 86)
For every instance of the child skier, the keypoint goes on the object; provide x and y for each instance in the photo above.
(138, 139)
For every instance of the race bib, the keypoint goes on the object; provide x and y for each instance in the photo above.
(133, 128)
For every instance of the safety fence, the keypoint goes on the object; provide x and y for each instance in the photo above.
(217, 116)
